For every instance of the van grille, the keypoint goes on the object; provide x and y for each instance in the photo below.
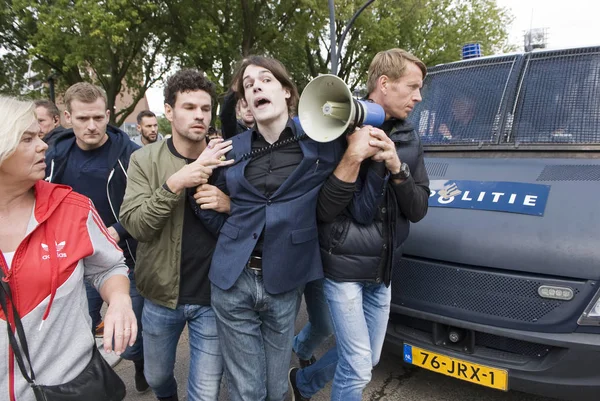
(467, 290)
(581, 172)
(436, 169)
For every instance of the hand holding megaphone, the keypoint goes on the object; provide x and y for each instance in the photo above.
(386, 151)
(360, 145)
(327, 109)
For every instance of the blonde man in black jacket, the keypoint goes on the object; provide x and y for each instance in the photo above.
(365, 209)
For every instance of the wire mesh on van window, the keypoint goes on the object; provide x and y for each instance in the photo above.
(461, 102)
(559, 99)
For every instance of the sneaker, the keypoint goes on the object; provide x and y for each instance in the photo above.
(141, 385)
(100, 329)
(306, 362)
(296, 396)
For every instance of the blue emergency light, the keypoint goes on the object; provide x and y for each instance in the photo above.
(471, 50)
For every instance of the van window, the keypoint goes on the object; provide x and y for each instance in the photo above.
(461, 102)
(558, 100)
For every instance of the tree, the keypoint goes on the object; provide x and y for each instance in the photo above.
(111, 42)
(16, 78)
(215, 35)
(297, 33)
(117, 44)
(164, 125)
(433, 30)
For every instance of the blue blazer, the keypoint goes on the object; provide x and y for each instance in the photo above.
(291, 255)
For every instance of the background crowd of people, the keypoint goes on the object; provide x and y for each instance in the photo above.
(222, 234)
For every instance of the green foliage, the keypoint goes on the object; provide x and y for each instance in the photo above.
(116, 44)
(433, 30)
(297, 33)
(164, 125)
(16, 80)
(134, 42)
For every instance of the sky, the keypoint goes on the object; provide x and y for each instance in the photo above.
(569, 23)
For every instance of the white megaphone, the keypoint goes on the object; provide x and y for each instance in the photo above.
(327, 109)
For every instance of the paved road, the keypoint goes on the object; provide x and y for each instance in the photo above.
(392, 381)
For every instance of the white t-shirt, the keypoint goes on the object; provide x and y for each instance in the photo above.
(8, 256)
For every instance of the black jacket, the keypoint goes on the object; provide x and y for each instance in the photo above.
(230, 126)
(364, 241)
(121, 149)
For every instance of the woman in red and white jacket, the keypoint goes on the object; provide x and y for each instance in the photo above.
(51, 239)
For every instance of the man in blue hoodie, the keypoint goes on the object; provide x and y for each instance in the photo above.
(93, 158)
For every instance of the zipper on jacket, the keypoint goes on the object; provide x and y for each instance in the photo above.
(316, 165)
(123, 168)
(49, 178)
(112, 209)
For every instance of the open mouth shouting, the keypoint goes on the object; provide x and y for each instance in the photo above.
(261, 102)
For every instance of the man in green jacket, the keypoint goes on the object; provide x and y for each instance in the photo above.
(175, 249)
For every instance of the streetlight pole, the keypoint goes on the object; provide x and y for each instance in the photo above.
(334, 60)
(51, 88)
(51, 80)
(335, 54)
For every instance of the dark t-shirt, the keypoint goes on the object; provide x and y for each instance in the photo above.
(197, 246)
(87, 172)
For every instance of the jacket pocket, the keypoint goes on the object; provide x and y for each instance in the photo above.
(332, 235)
(229, 230)
(304, 235)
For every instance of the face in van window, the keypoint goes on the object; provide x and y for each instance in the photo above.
(402, 95)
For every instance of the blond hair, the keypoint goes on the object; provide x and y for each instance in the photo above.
(18, 116)
(391, 63)
(84, 92)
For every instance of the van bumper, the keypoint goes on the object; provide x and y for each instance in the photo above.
(558, 365)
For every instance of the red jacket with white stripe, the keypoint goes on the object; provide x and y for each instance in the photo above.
(68, 244)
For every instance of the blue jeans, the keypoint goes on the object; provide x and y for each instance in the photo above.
(256, 330)
(95, 301)
(319, 326)
(162, 329)
(360, 313)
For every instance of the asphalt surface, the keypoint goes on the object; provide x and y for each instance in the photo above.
(392, 381)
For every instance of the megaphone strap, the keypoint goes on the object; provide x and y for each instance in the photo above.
(261, 151)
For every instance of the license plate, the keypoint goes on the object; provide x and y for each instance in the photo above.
(457, 368)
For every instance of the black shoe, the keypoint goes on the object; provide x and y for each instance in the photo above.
(171, 398)
(296, 396)
(141, 385)
(306, 362)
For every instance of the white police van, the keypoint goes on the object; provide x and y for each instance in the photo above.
(499, 284)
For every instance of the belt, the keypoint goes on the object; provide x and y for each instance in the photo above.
(255, 263)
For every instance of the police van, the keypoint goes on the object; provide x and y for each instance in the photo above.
(499, 285)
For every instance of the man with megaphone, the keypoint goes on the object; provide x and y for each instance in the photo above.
(365, 209)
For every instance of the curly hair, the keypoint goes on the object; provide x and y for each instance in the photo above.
(187, 81)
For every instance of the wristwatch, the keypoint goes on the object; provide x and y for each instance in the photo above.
(403, 174)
